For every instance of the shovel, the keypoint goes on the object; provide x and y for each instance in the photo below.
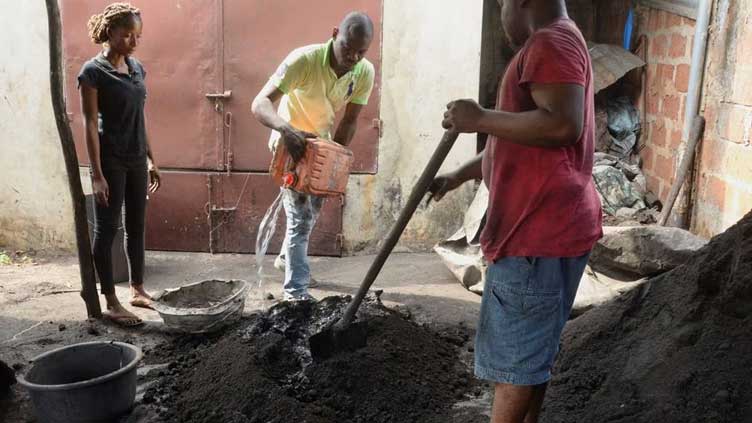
(344, 335)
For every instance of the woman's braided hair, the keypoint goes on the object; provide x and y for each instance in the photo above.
(114, 15)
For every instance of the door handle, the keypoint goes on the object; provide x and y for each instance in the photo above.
(216, 96)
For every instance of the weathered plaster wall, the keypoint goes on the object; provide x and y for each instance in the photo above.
(431, 55)
(35, 208)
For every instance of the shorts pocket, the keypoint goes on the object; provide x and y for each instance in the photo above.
(527, 328)
(526, 302)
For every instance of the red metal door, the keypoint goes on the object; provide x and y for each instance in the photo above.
(185, 130)
(205, 60)
(179, 50)
(239, 202)
(258, 35)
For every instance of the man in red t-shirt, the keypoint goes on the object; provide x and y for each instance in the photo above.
(544, 214)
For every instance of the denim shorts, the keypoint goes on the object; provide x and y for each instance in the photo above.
(526, 303)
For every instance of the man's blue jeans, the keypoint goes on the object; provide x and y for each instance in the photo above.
(301, 211)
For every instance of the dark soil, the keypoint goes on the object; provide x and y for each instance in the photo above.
(7, 378)
(262, 372)
(678, 349)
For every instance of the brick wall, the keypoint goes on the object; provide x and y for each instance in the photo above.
(724, 178)
(669, 40)
(723, 172)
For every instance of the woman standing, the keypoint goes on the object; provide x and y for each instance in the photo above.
(112, 100)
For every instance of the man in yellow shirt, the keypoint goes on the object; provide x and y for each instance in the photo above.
(312, 84)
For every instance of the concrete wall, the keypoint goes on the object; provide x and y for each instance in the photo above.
(431, 55)
(35, 208)
(723, 179)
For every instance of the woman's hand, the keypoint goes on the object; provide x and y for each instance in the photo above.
(154, 179)
(101, 190)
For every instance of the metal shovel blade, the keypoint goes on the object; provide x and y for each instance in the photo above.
(332, 340)
(346, 335)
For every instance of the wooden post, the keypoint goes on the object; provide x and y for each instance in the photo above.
(86, 263)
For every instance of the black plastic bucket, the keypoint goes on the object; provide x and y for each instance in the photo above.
(88, 382)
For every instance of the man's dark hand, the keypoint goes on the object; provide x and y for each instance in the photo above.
(442, 184)
(462, 116)
(295, 141)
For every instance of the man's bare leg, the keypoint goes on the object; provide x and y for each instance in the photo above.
(517, 404)
(539, 393)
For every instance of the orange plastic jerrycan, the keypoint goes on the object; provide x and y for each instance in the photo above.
(322, 171)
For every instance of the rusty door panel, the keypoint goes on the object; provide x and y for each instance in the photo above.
(180, 52)
(258, 35)
(240, 201)
(176, 218)
(198, 47)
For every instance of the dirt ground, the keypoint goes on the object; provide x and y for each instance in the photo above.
(406, 372)
(40, 309)
(678, 349)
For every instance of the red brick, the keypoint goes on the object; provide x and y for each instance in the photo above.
(658, 46)
(653, 103)
(653, 20)
(666, 74)
(664, 168)
(678, 46)
(670, 107)
(674, 20)
(654, 184)
(687, 21)
(666, 71)
(661, 19)
(662, 193)
(653, 79)
(715, 190)
(681, 79)
(658, 133)
(676, 139)
(647, 155)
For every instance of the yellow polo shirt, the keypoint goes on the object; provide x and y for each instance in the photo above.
(313, 93)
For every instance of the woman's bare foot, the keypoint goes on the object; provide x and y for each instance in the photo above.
(122, 316)
(139, 297)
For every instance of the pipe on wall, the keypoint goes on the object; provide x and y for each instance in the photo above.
(680, 216)
(697, 66)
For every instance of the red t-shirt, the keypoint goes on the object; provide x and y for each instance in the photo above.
(543, 202)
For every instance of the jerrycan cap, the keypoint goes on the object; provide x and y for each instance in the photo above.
(289, 179)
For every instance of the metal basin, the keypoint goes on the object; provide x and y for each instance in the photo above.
(203, 306)
(88, 382)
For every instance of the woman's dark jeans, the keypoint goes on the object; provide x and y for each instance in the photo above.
(127, 180)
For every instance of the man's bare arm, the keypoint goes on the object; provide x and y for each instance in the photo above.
(348, 125)
(557, 122)
(262, 108)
